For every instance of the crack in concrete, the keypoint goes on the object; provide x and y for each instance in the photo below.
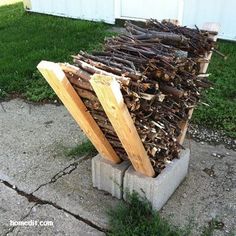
(31, 198)
(66, 171)
(24, 217)
(3, 108)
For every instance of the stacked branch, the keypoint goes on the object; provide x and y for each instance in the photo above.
(196, 42)
(79, 78)
(159, 82)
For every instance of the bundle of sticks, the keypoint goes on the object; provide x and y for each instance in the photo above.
(158, 71)
(195, 41)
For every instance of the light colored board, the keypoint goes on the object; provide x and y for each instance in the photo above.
(214, 27)
(209, 27)
(111, 98)
(54, 75)
(173, 21)
(27, 4)
(184, 127)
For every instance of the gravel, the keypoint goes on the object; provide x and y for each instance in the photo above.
(202, 134)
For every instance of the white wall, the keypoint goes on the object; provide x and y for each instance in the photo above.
(97, 10)
(221, 11)
(188, 12)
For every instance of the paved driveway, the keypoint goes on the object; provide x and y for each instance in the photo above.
(41, 185)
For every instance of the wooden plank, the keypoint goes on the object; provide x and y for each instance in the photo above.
(27, 4)
(54, 75)
(214, 27)
(111, 98)
(209, 27)
(173, 21)
(184, 127)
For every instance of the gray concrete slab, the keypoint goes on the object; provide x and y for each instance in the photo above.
(32, 152)
(75, 192)
(208, 192)
(12, 207)
(32, 141)
(49, 221)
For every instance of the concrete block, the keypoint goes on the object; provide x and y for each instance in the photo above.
(108, 176)
(158, 190)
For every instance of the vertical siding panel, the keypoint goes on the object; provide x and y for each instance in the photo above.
(102, 10)
(190, 12)
(221, 11)
(145, 9)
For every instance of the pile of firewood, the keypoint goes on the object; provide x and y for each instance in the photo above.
(158, 70)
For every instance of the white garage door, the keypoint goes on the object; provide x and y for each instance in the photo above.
(145, 9)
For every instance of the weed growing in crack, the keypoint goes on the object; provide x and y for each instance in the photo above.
(85, 148)
(213, 224)
(137, 218)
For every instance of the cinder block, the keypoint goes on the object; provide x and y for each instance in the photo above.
(108, 176)
(158, 190)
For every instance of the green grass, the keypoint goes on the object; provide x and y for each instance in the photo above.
(221, 114)
(86, 148)
(212, 225)
(136, 218)
(28, 38)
